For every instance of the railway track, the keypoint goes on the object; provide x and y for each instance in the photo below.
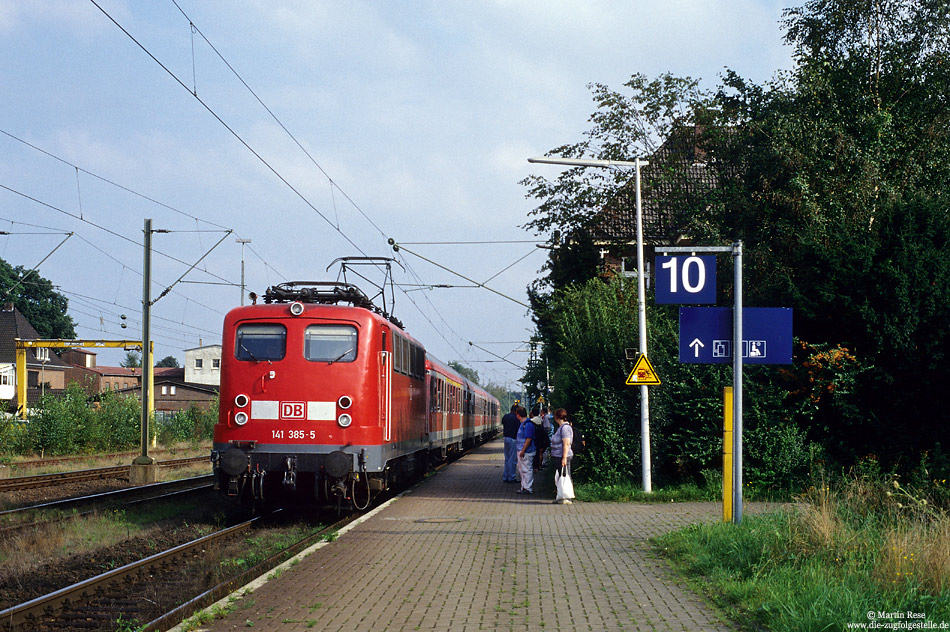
(84, 504)
(147, 590)
(72, 459)
(47, 480)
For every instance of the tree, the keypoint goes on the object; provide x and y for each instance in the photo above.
(168, 361)
(469, 374)
(835, 177)
(132, 360)
(34, 296)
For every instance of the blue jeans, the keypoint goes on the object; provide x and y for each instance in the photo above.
(511, 460)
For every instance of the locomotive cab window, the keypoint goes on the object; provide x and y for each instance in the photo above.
(259, 342)
(330, 343)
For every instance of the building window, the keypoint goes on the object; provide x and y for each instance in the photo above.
(171, 390)
(216, 363)
(198, 363)
(164, 390)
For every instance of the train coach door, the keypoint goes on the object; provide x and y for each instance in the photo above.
(385, 386)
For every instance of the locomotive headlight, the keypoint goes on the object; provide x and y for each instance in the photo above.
(344, 420)
(345, 402)
(241, 400)
(296, 308)
(240, 418)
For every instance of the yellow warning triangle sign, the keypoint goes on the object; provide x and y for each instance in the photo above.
(643, 373)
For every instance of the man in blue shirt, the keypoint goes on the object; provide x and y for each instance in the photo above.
(526, 449)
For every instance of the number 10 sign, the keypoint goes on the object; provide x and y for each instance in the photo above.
(686, 280)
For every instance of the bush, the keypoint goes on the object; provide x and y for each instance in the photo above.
(611, 442)
(70, 424)
(59, 425)
(118, 423)
(193, 425)
(14, 436)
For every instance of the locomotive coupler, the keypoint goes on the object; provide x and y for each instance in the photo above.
(290, 476)
(338, 489)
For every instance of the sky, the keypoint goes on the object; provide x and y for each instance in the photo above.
(319, 130)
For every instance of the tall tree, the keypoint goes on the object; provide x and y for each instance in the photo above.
(466, 372)
(34, 296)
(169, 362)
(836, 175)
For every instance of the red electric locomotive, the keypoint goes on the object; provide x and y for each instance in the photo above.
(324, 397)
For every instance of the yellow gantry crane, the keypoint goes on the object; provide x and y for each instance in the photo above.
(22, 345)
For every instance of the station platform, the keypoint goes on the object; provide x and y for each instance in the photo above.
(462, 551)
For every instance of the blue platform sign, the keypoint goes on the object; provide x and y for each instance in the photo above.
(685, 280)
(706, 335)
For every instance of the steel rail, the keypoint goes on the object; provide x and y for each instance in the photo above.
(127, 496)
(36, 612)
(45, 480)
(205, 599)
(87, 457)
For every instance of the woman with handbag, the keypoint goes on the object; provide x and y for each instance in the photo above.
(561, 455)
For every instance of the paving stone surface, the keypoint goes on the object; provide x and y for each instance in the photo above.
(462, 552)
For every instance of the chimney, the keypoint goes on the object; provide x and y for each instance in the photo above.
(8, 306)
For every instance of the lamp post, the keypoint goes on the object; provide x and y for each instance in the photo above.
(641, 297)
(242, 242)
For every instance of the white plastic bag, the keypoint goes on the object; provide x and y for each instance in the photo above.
(565, 486)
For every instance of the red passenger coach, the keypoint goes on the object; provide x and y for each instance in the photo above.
(325, 398)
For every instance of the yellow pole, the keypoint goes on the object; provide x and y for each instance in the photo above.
(149, 368)
(21, 380)
(727, 455)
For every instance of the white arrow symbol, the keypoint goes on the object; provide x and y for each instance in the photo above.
(696, 344)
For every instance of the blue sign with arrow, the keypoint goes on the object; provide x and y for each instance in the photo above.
(706, 335)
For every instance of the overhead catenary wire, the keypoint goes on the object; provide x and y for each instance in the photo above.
(398, 247)
(280, 123)
(93, 224)
(106, 180)
(257, 155)
(138, 194)
(230, 129)
(25, 276)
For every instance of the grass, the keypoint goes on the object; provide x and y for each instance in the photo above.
(56, 540)
(14, 465)
(863, 550)
(629, 492)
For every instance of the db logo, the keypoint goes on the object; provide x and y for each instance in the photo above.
(293, 410)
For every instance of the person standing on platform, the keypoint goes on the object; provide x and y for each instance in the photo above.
(509, 424)
(526, 449)
(541, 439)
(561, 452)
(547, 422)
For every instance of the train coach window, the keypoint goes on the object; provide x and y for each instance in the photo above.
(330, 343)
(260, 342)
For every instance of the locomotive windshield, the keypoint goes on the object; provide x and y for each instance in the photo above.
(330, 343)
(258, 343)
